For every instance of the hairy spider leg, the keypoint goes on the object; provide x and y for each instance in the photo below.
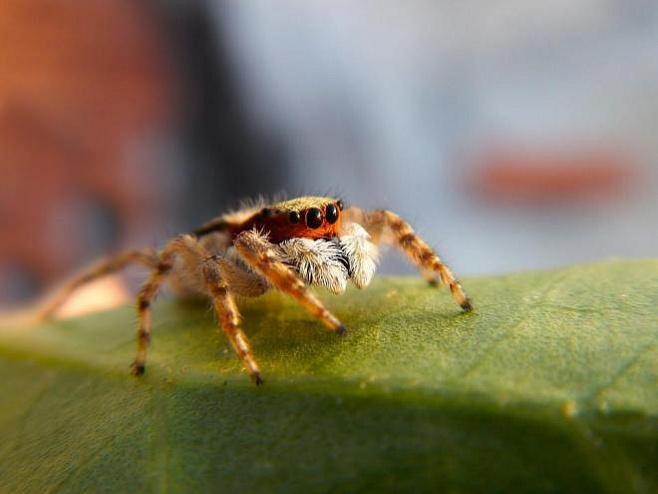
(224, 304)
(379, 222)
(146, 257)
(260, 254)
(228, 315)
(240, 280)
(150, 288)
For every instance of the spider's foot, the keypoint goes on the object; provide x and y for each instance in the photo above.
(466, 305)
(137, 369)
(258, 379)
(341, 330)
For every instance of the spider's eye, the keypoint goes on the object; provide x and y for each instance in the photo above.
(294, 217)
(266, 212)
(332, 213)
(339, 203)
(314, 218)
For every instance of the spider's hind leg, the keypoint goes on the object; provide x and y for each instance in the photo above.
(188, 247)
(146, 257)
(180, 245)
(379, 223)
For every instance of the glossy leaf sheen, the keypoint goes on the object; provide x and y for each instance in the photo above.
(551, 384)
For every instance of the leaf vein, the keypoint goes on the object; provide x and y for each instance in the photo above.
(476, 363)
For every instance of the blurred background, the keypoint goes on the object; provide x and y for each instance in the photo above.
(512, 134)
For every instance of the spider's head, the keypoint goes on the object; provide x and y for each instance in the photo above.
(310, 217)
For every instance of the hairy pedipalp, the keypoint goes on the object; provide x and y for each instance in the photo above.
(362, 254)
(318, 262)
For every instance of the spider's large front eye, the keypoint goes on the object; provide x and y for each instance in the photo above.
(332, 213)
(314, 218)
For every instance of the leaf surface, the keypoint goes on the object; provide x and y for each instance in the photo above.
(551, 384)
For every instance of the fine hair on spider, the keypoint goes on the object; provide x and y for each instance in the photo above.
(286, 245)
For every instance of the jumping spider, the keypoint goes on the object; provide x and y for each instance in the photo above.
(286, 246)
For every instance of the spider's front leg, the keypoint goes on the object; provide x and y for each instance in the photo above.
(386, 226)
(261, 255)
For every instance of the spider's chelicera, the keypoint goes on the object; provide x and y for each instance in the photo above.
(286, 246)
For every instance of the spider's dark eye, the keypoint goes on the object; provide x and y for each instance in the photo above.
(332, 213)
(339, 203)
(294, 217)
(266, 212)
(314, 218)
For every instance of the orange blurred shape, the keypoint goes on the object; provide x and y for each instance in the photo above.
(103, 294)
(545, 176)
(83, 84)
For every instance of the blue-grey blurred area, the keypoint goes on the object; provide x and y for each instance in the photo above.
(511, 134)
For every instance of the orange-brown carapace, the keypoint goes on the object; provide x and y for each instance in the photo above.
(309, 217)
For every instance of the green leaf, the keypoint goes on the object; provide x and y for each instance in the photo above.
(551, 384)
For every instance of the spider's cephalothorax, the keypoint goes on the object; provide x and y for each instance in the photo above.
(286, 246)
(307, 217)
